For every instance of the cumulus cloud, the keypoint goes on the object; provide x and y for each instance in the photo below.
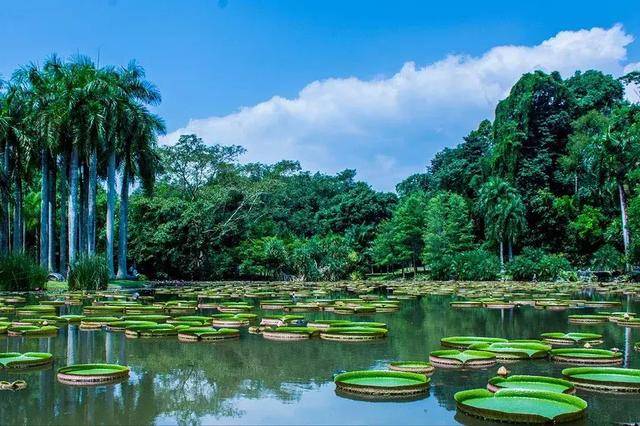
(632, 90)
(388, 128)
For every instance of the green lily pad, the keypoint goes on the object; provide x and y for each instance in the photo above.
(533, 383)
(25, 360)
(463, 342)
(519, 406)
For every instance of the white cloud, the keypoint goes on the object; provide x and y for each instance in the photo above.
(632, 90)
(387, 128)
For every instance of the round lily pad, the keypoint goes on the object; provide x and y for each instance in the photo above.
(32, 331)
(514, 350)
(519, 406)
(453, 358)
(532, 383)
(392, 384)
(353, 334)
(571, 339)
(588, 319)
(463, 342)
(15, 360)
(207, 334)
(421, 367)
(92, 374)
(289, 333)
(604, 379)
(586, 356)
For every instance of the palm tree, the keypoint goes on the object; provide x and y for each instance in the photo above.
(503, 212)
(610, 150)
(138, 159)
(130, 87)
(4, 178)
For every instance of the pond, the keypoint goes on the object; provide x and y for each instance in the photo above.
(256, 381)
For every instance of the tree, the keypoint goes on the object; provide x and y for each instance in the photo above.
(138, 160)
(190, 164)
(610, 146)
(503, 212)
(449, 230)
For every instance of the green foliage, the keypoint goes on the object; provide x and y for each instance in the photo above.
(475, 265)
(535, 264)
(503, 210)
(607, 258)
(18, 272)
(266, 256)
(89, 273)
(448, 232)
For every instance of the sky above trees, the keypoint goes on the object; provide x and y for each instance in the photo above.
(376, 86)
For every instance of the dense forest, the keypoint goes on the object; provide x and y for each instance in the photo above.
(550, 186)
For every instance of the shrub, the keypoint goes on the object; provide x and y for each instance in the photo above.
(475, 265)
(89, 273)
(535, 263)
(555, 267)
(607, 258)
(19, 273)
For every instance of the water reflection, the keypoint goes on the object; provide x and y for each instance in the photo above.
(257, 381)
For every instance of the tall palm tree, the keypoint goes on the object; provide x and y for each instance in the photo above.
(4, 177)
(138, 159)
(503, 212)
(130, 87)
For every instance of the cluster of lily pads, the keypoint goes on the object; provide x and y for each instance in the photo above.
(150, 316)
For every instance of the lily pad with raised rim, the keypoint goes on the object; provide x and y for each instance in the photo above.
(519, 406)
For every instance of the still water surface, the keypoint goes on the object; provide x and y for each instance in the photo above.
(256, 381)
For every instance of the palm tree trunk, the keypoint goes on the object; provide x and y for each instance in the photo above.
(51, 261)
(73, 205)
(510, 250)
(82, 218)
(122, 241)
(626, 239)
(4, 202)
(44, 208)
(91, 203)
(111, 207)
(501, 256)
(17, 213)
(64, 194)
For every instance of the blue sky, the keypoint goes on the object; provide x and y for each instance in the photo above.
(327, 82)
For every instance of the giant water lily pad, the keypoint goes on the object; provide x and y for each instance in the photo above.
(463, 342)
(532, 383)
(92, 374)
(520, 406)
(453, 358)
(586, 356)
(26, 360)
(514, 350)
(353, 334)
(421, 367)
(32, 330)
(207, 334)
(588, 319)
(571, 339)
(606, 379)
(391, 384)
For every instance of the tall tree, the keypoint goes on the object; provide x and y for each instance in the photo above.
(504, 214)
(139, 160)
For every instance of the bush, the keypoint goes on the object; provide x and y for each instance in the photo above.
(89, 273)
(475, 265)
(19, 273)
(536, 264)
(607, 258)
